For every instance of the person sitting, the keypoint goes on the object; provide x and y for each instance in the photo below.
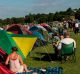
(16, 62)
(66, 40)
(55, 43)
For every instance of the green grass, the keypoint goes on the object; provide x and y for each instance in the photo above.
(68, 67)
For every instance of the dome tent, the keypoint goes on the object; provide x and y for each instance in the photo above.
(18, 29)
(23, 42)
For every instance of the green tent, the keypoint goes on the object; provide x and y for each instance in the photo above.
(23, 42)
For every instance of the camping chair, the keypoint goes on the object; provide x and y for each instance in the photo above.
(68, 50)
(3, 55)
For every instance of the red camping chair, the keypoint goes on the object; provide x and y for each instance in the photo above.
(2, 52)
(5, 70)
(3, 56)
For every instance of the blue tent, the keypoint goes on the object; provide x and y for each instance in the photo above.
(34, 28)
(39, 35)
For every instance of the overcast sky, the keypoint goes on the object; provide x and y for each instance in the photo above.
(20, 8)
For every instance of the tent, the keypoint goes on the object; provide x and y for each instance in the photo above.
(43, 31)
(15, 28)
(41, 27)
(40, 32)
(34, 28)
(23, 42)
(35, 32)
(44, 24)
(39, 35)
(47, 27)
(18, 29)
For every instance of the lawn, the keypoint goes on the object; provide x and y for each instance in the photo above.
(42, 57)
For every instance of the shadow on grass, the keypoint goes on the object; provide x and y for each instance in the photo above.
(46, 57)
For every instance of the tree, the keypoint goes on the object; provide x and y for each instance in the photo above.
(77, 14)
(29, 18)
(69, 11)
(50, 17)
(1, 21)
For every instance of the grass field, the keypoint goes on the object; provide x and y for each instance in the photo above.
(38, 55)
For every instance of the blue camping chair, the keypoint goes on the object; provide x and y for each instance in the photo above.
(68, 50)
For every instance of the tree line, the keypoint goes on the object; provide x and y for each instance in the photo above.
(40, 18)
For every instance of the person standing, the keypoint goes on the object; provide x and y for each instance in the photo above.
(76, 31)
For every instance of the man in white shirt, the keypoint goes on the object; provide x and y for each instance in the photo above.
(76, 28)
(66, 40)
(77, 25)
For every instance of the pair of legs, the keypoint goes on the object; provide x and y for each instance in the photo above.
(76, 30)
(25, 68)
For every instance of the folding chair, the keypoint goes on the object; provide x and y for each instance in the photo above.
(68, 50)
(3, 55)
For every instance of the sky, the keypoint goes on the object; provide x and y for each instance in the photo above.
(20, 8)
